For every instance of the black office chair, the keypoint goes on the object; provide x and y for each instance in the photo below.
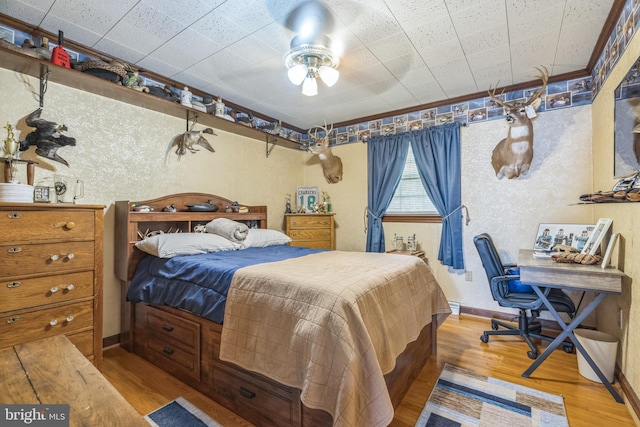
(506, 289)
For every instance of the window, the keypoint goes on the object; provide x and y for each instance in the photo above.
(410, 202)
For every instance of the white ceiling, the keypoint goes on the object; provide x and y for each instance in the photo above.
(397, 53)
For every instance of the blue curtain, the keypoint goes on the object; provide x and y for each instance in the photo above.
(437, 153)
(386, 158)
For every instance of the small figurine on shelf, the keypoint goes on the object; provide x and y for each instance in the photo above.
(326, 201)
(185, 97)
(220, 111)
(287, 208)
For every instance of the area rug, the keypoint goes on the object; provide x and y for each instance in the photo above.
(465, 398)
(180, 413)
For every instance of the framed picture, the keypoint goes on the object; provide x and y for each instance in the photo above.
(549, 236)
(607, 255)
(306, 197)
(596, 237)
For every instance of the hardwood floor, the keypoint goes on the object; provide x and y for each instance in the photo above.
(587, 403)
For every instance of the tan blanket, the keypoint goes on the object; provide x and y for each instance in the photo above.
(331, 324)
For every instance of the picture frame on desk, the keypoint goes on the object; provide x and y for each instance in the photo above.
(306, 197)
(596, 237)
(552, 237)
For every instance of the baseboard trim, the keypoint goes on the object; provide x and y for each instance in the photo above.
(631, 396)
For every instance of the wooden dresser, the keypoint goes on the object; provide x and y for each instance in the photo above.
(51, 273)
(311, 230)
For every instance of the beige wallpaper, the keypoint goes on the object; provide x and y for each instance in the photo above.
(121, 154)
(625, 221)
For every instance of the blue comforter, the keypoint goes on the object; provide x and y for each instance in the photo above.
(199, 283)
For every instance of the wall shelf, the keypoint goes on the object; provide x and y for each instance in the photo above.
(24, 64)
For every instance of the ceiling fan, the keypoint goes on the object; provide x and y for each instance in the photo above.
(311, 55)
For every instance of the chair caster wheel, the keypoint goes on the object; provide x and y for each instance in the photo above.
(568, 348)
(532, 354)
(494, 326)
(484, 338)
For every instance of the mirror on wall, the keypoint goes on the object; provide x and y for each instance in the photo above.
(627, 123)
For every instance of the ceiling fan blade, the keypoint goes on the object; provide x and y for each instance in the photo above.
(309, 19)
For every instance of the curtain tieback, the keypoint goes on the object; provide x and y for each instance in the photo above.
(457, 209)
(366, 213)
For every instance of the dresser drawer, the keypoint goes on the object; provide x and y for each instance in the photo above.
(310, 234)
(23, 259)
(41, 226)
(24, 293)
(309, 221)
(33, 325)
(173, 358)
(261, 402)
(313, 244)
(172, 329)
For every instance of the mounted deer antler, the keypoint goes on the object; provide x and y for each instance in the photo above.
(513, 155)
(331, 165)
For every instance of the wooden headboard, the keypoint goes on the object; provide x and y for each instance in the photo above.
(131, 225)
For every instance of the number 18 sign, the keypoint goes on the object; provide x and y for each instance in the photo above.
(307, 197)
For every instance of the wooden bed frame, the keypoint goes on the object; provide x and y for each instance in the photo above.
(187, 346)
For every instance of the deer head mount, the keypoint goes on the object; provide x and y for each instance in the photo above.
(331, 165)
(513, 155)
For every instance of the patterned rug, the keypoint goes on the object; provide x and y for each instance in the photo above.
(465, 398)
(180, 413)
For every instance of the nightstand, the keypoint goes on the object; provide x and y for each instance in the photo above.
(419, 254)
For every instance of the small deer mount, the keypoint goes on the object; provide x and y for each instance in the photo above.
(331, 165)
(513, 155)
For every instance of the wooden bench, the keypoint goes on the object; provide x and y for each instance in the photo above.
(53, 371)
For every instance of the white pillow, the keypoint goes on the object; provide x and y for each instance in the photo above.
(168, 245)
(262, 237)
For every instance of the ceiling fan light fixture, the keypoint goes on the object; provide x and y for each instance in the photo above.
(297, 74)
(310, 86)
(309, 59)
(328, 75)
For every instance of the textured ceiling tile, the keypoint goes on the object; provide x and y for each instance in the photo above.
(482, 15)
(185, 11)
(432, 33)
(255, 50)
(73, 32)
(373, 74)
(31, 12)
(486, 39)
(429, 92)
(391, 47)
(489, 57)
(519, 8)
(413, 13)
(442, 53)
(159, 67)
(373, 25)
(217, 27)
(94, 15)
(458, 67)
(417, 77)
(185, 49)
(405, 64)
(592, 10)
(537, 21)
(493, 75)
(118, 50)
(250, 15)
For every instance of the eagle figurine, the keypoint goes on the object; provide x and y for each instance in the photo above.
(189, 139)
(47, 137)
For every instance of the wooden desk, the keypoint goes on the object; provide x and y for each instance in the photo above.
(545, 273)
(53, 371)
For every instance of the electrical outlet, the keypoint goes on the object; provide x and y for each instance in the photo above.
(468, 276)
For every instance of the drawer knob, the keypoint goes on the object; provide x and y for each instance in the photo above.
(167, 328)
(69, 318)
(54, 289)
(12, 320)
(53, 322)
(70, 256)
(14, 215)
(246, 393)
(167, 350)
(13, 284)
(70, 287)
(54, 257)
(14, 250)
(70, 225)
